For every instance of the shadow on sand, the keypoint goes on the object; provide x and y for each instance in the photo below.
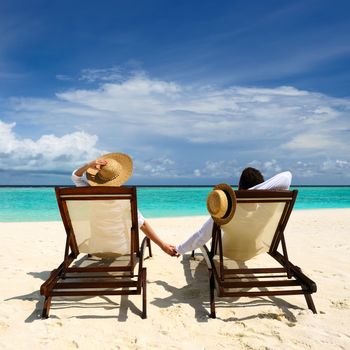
(196, 294)
(76, 302)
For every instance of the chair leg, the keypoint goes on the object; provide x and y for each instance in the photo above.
(144, 293)
(212, 293)
(46, 307)
(310, 303)
(149, 247)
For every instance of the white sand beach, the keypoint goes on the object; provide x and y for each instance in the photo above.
(178, 295)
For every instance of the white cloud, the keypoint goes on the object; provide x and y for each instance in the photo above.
(63, 77)
(310, 141)
(163, 121)
(216, 115)
(220, 169)
(336, 167)
(49, 152)
(268, 168)
(103, 74)
(156, 167)
(197, 173)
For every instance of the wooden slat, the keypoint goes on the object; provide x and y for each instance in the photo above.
(99, 277)
(256, 270)
(263, 194)
(99, 269)
(89, 198)
(81, 285)
(235, 277)
(99, 190)
(94, 292)
(259, 284)
(262, 293)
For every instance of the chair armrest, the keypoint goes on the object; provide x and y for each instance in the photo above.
(142, 249)
(206, 255)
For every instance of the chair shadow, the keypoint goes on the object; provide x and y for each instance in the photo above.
(196, 294)
(190, 294)
(76, 301)
(34, 296)
(283, 305)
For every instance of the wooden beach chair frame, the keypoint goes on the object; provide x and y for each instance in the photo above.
(262, 280)
(103, 279)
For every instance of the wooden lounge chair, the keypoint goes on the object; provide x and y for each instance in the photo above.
(256, 227)
(102, 223)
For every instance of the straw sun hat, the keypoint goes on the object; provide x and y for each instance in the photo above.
(117, 171)
(221, 203)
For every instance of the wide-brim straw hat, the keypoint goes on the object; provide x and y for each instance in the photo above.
(117, 171)
(221, 203)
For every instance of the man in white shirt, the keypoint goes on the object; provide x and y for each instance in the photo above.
(251, 179)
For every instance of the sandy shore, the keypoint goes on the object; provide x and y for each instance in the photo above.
(318, 241)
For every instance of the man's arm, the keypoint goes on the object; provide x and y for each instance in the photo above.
(281, 181)
(198, 239)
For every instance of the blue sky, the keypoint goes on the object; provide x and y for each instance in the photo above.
(194, 91)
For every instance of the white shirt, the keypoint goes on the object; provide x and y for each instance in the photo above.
(280, 181)
(80, 181)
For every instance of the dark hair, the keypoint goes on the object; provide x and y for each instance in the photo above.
(249, 178)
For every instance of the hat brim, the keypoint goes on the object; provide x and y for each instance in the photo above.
(232, 204)
(126, 165)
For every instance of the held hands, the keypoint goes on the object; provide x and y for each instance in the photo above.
(170, 249)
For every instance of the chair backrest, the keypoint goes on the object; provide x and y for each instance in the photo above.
(258, 223)
(100, 220)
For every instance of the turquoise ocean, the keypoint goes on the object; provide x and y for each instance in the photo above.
(21, 204)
